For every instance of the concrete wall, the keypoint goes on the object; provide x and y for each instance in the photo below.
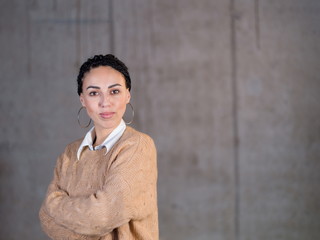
(229, 90)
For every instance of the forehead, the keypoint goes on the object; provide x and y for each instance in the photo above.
(103, 74)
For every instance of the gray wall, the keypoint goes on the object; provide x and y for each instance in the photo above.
(229, 90)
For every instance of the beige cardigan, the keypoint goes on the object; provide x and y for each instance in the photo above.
(104, 196)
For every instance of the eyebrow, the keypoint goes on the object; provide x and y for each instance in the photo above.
(95, 87)
(111, 86)
(114, 85)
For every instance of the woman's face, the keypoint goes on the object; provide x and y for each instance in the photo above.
(104, 95)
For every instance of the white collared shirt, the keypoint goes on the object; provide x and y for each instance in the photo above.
(108, 142)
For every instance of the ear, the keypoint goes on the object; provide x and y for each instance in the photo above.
(128, 96)
(82, 100)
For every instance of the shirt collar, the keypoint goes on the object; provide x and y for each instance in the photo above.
(108, 142)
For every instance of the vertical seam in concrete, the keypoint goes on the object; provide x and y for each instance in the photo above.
(235, 116)
(78, 32)
(29, 50)
(54, 5)
(111, 27)
(257, 22)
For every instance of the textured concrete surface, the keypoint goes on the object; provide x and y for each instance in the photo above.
(183, 98)
(278, 106)
(229, 90)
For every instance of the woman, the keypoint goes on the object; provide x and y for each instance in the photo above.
(104, 185)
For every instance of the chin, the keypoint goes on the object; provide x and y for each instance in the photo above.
(109, 125)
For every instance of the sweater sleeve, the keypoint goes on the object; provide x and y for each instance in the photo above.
(56, 231)
(129, 193)
(48, 224)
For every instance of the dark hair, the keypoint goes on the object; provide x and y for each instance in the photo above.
(103, 60)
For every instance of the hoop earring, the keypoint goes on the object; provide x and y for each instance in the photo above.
(79, 119)
(128, 123)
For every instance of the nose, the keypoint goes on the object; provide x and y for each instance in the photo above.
(104, 101)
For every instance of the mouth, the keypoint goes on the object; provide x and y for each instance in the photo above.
(106, 115)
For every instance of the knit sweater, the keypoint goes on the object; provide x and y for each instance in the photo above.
(104, 196)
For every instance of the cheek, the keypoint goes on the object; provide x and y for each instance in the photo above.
(91, 112)
(121, 106)
(90, 106)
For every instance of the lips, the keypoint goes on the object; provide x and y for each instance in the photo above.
(106, 115)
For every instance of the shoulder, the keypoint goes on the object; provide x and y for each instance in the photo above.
(71, 149)
(133, 142)
(134, 149)
(68, 156)
(135, 137)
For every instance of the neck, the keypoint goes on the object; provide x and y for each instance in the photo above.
(101, 134)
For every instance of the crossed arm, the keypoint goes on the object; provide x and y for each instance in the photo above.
(128, 194)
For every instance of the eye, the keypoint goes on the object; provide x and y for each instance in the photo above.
(93, 93)
(115, 91)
